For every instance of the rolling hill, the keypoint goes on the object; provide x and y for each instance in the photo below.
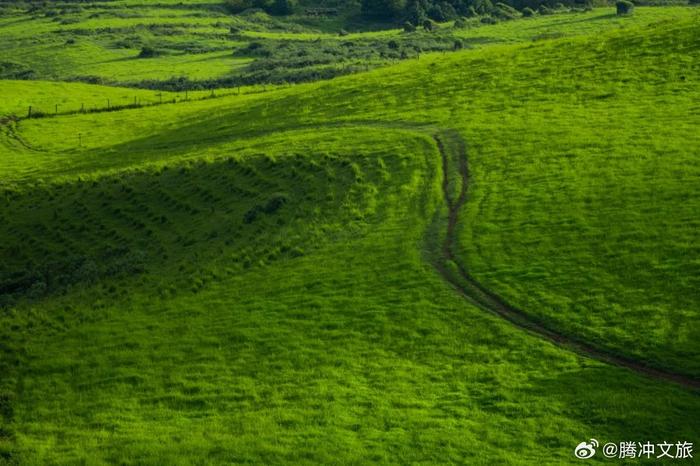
(485, 256)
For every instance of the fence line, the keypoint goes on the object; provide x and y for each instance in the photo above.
(139, 102)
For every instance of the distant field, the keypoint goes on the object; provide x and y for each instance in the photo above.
(210, 48)
(261, 278)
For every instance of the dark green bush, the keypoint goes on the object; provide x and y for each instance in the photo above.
(460, 23)
(624, 7)
(254, 49)
(528, 12)
(148, 52)
(505, 12)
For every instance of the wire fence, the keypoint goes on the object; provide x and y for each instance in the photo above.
(112, 105)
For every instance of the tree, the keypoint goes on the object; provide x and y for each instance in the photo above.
(283, 7)
(415, 12)
(448, 11)
(237, 6)
(483, 7)
(383, 9)
(436, 14)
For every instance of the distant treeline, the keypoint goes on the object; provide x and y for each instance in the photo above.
(417, 12)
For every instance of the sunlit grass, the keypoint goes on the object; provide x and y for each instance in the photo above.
(315, 329)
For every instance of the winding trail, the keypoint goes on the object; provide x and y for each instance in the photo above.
(452, 147)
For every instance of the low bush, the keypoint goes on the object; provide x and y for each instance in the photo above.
(505, 12)
(460, 23)
(624, 7)
(148, 52)
(429, 25)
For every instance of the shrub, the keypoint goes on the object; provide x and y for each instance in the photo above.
(343, 32)
(528, 12)
(543, 10)
(408, 27)
(148, 52)
(429, 25)
(624, 7)
(488, 20)
(254, 49)
(460, 23)
(449, 11)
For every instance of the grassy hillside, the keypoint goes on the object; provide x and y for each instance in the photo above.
(260, 278)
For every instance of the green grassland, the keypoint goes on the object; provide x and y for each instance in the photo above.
(256, 278)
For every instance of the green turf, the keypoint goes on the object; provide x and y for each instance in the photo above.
(249, 279)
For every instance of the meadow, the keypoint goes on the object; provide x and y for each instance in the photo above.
(272, 277)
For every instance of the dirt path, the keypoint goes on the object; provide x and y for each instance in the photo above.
(452, 148)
